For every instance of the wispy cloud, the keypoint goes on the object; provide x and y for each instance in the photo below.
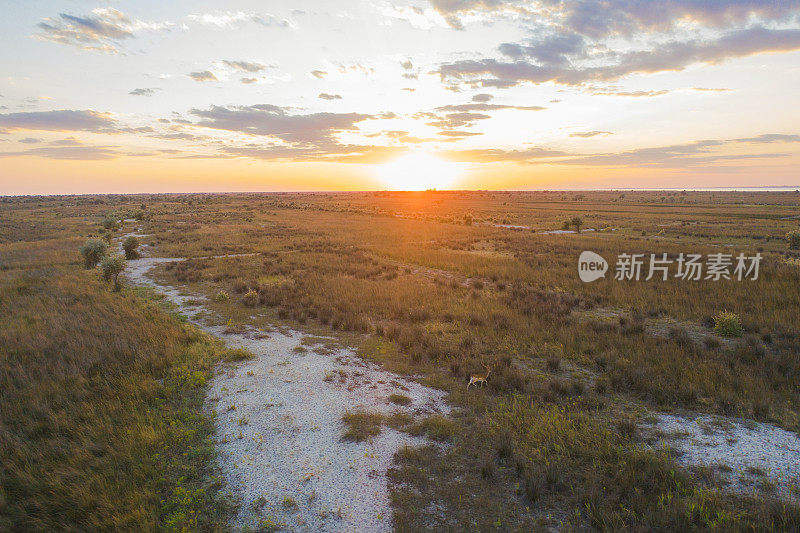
(693, 154)
(488, 107)
(59, 120)
(496, 155)
(667, 56)
(245, 66)
(144, 91)
(628, 94)
(587, 134)
(102, 31)
(230, 19)
(203, 75)
(271, 120)
(69, 153)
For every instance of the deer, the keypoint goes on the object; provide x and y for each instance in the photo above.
(479, 379)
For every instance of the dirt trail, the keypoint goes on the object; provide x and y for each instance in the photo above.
(279, 428)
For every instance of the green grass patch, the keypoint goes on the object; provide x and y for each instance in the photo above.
(399, 399)
(362, 425)
(101, 396)
(436, 427)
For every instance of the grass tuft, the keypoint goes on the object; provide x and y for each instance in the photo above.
(362, 425)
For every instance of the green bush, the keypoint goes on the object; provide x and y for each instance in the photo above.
(794, 239)
(93, 252)
(112, 266)
(727, 324)
(130, 246)
(110, 223)
(221, 296)
(250, 299)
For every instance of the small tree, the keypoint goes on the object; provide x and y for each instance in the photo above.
(93, 252)
(467, 220)
(130, 246)
(577, 222)
(794, 239)
(112, 266)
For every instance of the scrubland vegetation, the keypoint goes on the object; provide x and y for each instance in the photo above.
(437, 284)
(100, 403)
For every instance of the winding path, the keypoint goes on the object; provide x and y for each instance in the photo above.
(279, 429)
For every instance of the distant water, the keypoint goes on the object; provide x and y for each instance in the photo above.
(774, 188)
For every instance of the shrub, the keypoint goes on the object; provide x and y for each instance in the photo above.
(794, 239)
(577, 222)
(93, 252)
(112, 266)
(110, 223)
(727, 324)
(221, 296)
(130, 246)
(250, 299)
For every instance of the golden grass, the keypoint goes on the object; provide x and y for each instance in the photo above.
(404, 276)
(100, 396)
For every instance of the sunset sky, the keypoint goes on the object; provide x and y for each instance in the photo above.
(145, 96)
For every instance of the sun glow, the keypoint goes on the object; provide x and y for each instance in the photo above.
(418, 171)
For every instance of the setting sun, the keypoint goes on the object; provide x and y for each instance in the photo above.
(418, 171)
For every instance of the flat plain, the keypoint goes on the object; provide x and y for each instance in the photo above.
(105, 419)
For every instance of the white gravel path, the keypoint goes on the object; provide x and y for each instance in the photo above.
(279, 428)
(749, 452)
(283, 439)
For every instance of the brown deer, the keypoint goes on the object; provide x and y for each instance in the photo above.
(479, 378)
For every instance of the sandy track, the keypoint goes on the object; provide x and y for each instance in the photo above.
(751, 457)
(279, 429)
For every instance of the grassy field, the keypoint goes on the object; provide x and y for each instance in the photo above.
(438, 284)
(100, 399)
